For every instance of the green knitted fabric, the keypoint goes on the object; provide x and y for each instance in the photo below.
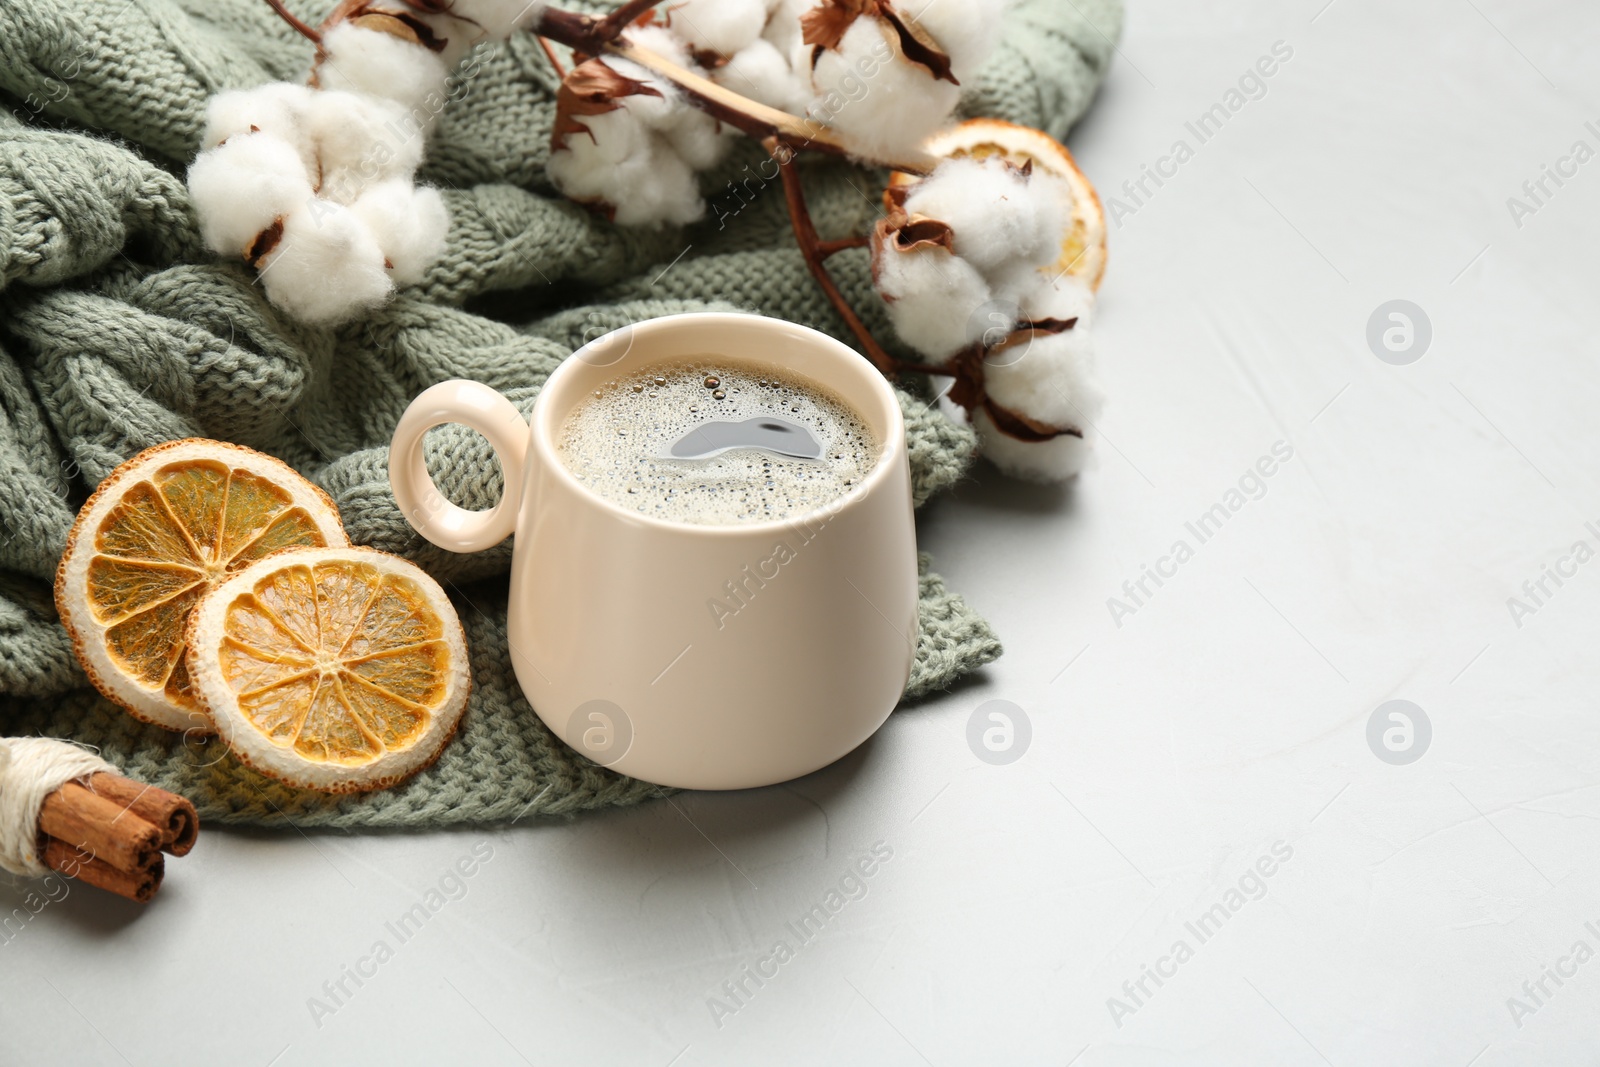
(118, 331)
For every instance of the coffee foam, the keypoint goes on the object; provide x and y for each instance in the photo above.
(617, 443)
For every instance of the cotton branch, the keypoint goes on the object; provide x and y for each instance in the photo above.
(783, 134)
(611, 27)
(586, 35)
(816, 252)
(298, 26)
(555, 61)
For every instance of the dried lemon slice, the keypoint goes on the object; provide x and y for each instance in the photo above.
(163, 528)
(1083, 253)
(339, 669)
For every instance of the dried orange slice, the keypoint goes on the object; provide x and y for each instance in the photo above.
(1083, 253)
(339, 669)
(163, 528)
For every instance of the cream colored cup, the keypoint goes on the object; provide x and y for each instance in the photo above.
(707, 657)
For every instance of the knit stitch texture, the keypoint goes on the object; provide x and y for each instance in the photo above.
(119, 331)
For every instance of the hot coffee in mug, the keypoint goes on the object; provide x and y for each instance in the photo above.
(713, 581)
(713, 440)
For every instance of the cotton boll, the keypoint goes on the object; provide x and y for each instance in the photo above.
(659, 189)
(656, 125)
(327, 266)
(468, 23)
(275, 108)
(409, 224)
(720, 26)
(1014, 282)
(370, 61)
(244, 185)
(657, 112)
(613, 137)
(1048, 378)
(361, 140)
(700, 139)
(783, 27)
(881, 103)
(278, 108)
(1003, 221)
(966, 30)
(935, 299)
(1062, 298)
(697, 138)
(1055, 460)
(647, 188)
(628, 167)
(642, 156)
(762, 73)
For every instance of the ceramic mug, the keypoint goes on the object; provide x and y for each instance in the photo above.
(700, 656)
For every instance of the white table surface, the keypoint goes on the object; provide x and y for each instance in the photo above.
(1225, 716)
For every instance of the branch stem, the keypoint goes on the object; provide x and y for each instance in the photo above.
(805, 235)
(829, 248)
(550, 54)
(611, 27)
(299, 27)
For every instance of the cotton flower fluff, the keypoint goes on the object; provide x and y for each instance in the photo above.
(315, 188)
(628, 170)
(327, 264)
(241, 187)
(881, 104)
(719, 26)
(379, 64)
(346, 140)
(966, 30)
(695, 136)
(1055, 460)
(361, 140)
(1004, 227)
(314, 185)
(1050, 381)
(361, 55)
(965, 267)
(409, 224)
(783, 25)
(1048, 377)
(936, 300)
(639, 158)
(763, 73)
(278, 109)
(1007, 224)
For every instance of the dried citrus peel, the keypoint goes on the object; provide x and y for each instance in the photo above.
(161, 530)
(338, 669)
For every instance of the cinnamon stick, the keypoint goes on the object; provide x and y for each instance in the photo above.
(136, 885)
(106, 830)
(170, 813)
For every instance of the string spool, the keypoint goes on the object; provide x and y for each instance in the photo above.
(31, 768)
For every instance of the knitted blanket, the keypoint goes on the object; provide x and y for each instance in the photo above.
(119, 331)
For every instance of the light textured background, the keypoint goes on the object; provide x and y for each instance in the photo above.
(1226, 715)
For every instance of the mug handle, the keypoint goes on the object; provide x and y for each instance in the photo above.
(481, 408)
